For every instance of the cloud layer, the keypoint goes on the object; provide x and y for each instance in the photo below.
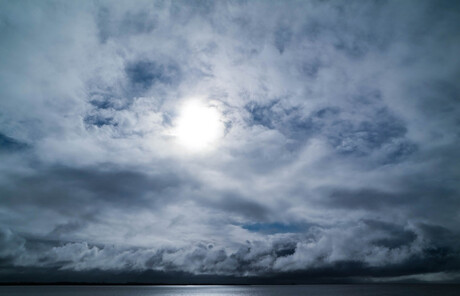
(339, 157)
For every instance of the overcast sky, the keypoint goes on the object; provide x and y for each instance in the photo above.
(335, 153)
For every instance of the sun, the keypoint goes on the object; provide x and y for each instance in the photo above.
(198, 126)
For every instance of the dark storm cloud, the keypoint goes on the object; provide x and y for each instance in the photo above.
(65, 188)
(427, 254)
(339, 159)
(8, 144)
(397, 237)
(369, 199)
(270, 228)
(240, 205)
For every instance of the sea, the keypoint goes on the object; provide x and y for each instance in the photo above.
(272, 290)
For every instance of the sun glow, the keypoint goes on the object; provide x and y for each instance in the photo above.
(199, 126)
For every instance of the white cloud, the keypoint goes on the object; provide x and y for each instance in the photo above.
(333, 114)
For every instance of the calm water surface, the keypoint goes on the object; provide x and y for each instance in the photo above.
(312, 290)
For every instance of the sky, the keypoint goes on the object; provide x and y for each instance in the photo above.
(220, 141)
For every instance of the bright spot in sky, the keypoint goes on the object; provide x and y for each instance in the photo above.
(199, 126)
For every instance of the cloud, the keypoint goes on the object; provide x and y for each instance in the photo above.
(11, 145)
(338, 160)
(383, 249)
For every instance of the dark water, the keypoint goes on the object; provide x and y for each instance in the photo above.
(313, 290)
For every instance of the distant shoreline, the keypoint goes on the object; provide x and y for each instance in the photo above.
(215, 284)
